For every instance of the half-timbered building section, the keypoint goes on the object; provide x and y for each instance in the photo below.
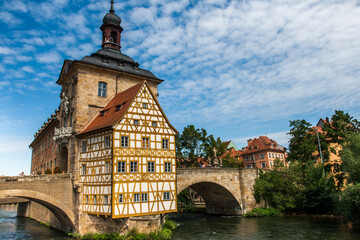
(144, 178)
(95, 172)
(143, 157)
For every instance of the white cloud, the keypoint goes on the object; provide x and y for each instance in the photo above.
(49, 57)
(16, 5)
(6, 50)
(9, 19)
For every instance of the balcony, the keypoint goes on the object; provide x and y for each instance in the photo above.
(62, 135)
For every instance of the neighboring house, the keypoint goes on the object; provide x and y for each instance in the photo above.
(261, 153)
(230, 145)
(110, 133)
(334, 149)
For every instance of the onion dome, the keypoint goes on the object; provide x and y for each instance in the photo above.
(111, 17)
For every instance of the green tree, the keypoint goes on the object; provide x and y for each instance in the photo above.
(213, 148)
(318, 191)
(303, 144)
(278, 188)
(349, 204)
(230, 162)
(190, 145)
(350, 157)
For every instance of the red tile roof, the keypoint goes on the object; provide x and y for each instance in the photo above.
(262, 143)
(108, 115)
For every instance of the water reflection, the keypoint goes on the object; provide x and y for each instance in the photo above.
(201, 227)
(208, 227)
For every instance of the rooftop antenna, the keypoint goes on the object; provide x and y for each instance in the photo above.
(112, 7)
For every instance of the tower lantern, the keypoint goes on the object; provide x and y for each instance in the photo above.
(111, 30)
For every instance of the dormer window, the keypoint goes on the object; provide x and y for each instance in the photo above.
(102, 113)
(118, 107)
(102, 89)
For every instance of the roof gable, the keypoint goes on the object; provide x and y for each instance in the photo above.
(114, 110)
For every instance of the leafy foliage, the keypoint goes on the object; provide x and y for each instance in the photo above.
(57, 170)
(231, 162)
(48, 171)
(278, 188)
(349, 204)
(262, 212)
(350, 156)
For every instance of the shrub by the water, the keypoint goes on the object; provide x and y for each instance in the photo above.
(262, 212)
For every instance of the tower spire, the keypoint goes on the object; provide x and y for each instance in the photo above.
(112, 7)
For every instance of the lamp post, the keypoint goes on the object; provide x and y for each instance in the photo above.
(317, 133)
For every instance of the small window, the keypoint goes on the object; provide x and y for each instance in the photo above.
(269, 155)
(83, 146)
(145, 105)
(271, 164)
(144, 197)
(107, 142)
(133, 167)
(248, 166)
(121, 198)
(252, 157)
(256, 147)
(87, 199)
(272, 154)
(145, 142)
(151, 167)
(136, 197)
(107, 167)
(102, 89)
(165, 144)
(124, 141)
(121, 167)
(166, 195)
(154, 124)
(262, 156)
(247, 158)
(263, 165)
(102, 113)
(113, 37)
(167, 167)
(106, 200)
(136, 122)
(250, 148)
(83, 169)
(95, 200)
(118, 107)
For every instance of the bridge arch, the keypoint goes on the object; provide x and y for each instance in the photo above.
(65, 216)
(218, 199)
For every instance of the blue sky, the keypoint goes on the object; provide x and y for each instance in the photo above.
(239, 69)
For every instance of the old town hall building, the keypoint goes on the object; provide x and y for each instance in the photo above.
(110, 133)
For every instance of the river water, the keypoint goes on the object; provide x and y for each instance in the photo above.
(200, 227)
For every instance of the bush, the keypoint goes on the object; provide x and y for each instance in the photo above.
(349, 204)
(48, 171)
(57, 170)
(262, 212)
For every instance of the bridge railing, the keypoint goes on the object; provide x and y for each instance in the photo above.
(34, 177)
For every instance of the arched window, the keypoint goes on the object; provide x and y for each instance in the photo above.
(113, 37)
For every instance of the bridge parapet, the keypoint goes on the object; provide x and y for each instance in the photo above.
(29, 178)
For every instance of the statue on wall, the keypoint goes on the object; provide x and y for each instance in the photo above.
(64, 103)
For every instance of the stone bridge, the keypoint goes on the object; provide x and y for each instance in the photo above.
(47, 198)
(54, 199)
(224, 190)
